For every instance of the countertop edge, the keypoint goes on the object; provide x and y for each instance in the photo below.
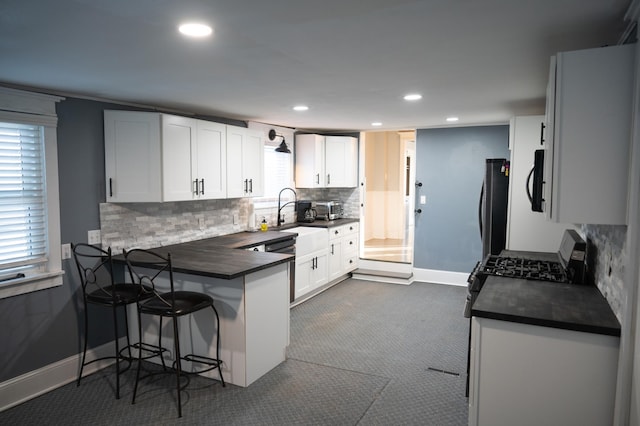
(289, 258)
(563, 325)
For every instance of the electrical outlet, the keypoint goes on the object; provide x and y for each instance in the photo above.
(201, 223)
(66, 251)
(236, 219)
(93, 237)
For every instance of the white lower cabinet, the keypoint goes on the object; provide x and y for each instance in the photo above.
(337, 257)
(532, 375)
(343, 250)
(311, 272)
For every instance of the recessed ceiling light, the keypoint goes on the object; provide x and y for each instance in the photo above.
(376, 124)
(413, 97)
(452, 119)
(300, 108)
(193, 29)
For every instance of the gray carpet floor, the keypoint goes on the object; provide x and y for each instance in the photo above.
(361, 353)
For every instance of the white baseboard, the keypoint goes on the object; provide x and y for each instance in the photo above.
(20, 389)
(440, 277)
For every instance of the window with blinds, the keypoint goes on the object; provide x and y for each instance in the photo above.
(23, 204)
(278, 172)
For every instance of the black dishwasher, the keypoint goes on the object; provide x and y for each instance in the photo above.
(287, 247)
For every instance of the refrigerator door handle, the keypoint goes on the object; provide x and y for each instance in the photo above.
(480, 209)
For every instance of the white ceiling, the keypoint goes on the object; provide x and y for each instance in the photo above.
(350, 61)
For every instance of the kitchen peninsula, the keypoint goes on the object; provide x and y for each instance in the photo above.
(251, 294)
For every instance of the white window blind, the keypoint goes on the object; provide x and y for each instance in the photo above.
(278, 172)
(23, 212)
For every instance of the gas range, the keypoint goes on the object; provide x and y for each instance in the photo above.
(565, 266)
(529, 269)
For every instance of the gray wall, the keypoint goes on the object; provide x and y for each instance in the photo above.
(41, 328)
(450, 165)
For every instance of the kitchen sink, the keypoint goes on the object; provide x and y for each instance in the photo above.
(309, 239)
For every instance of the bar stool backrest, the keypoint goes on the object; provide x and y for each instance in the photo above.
(145, 266)
(95, 268)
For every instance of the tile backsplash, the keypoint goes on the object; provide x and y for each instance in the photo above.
(606, 251)
(146, 225)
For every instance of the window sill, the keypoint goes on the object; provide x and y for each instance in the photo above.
(30, 284)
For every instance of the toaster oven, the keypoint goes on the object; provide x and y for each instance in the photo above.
(328, 210)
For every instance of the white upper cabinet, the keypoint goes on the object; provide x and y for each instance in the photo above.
(132, 156)
(309, 152)
(245, 162)
(210, 159)
(179, 179)
(326, 161)
(587, 137)
(153, 157)
(341, 162)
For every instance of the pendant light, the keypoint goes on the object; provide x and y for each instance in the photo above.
(283, 145)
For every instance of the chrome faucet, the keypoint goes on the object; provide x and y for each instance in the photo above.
(295, 200)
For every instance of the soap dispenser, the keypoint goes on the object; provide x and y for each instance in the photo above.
(263, 225)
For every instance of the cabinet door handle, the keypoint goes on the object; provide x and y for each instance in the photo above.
(350, 243)
(251, 186)
(202, 190)
(318, 178)
(110, 187)
(336, 232)
(328, 179)
(246, 185)
(195, 184)
(332, 249)
(542, 127)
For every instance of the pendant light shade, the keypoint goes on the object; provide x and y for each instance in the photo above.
(283, 145)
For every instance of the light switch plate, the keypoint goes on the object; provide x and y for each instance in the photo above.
(423, 199)
(93, 237)
(66, 251)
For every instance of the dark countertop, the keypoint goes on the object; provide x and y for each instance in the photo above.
(318, 223)
(223, 256)
(548, 304)
(249, 239)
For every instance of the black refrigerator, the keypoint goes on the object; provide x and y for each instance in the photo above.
(492, 209)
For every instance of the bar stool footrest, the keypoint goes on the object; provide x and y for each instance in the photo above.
(199, 359)
(151, 350)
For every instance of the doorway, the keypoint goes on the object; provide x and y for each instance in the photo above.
(387, 191)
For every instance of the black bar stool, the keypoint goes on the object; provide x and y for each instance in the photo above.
(145, 268)
(95, 267)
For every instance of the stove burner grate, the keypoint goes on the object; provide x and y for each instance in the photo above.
(529, 269)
